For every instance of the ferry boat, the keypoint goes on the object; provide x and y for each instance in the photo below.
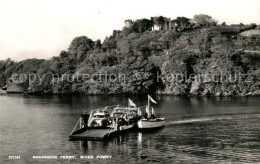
(150, 119)
(95, 125)
(100, 124)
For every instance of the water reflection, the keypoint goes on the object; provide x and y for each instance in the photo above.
(139, 140)
(198, 130)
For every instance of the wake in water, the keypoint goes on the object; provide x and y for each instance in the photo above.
(213, 118)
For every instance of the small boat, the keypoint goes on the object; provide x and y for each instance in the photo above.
(150, 120)
(151, 123)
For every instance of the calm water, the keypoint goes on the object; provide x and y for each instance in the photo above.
(198, 130)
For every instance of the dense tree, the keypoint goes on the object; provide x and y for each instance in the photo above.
(80, 46)
(98, 44)
(63, 55)
(109, 44)
(142, 25)
(253, 25)
(146, 58)
(161, 21)
(205, 20)
(182, 22)
(140, 75)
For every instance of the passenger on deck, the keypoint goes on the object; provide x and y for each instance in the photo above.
(85, 117)
(153, 116)
(104, 123)
(146, 115)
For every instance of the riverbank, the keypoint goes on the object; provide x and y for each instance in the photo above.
(250, 94)
(2, 92)
(215, 60)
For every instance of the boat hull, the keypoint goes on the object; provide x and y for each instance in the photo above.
(92, 134)
(99, 133)
(126, 127)
(151, 123)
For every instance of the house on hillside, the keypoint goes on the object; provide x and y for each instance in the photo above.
(251, 37)
(162, 23)
(181, 23)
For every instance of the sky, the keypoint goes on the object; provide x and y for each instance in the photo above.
(42, 28)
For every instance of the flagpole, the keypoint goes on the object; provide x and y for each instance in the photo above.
(148, 105)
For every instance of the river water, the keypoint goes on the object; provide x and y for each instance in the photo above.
(198, 130)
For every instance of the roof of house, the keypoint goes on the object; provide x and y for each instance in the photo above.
(250, 33)
(156, 19)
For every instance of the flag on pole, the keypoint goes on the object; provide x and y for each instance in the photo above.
(131, 103)
(139, 112)
(147, 111)
(153, 112)
(152, 99)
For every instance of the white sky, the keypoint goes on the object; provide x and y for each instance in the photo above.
(42, 28)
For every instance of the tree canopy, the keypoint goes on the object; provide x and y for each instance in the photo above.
(205, 20)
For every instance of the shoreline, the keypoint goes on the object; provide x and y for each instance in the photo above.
(2, 92)
(128, 94)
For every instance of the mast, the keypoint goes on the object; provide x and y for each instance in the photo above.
(148, 105)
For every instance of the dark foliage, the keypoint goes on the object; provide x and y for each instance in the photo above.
(146, 58)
